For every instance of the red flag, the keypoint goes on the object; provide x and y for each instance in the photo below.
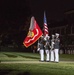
(34, 33)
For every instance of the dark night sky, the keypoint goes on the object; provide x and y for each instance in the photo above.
(13, 9)
(13, 14)
(55, 9)
(16, 9)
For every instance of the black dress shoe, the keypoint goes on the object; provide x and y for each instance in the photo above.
(56, 62)
(41, 60)
(47, 61)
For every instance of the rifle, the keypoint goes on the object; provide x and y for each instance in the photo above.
(38, 46)
(52, 45)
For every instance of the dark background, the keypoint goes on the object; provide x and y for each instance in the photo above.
(17, 11)
(15, 17)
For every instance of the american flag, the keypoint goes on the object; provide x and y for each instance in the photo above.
(45, 26)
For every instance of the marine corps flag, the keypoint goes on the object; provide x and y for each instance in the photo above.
(34, 33)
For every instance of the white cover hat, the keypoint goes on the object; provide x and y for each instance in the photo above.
(53, 35)
(57, 34)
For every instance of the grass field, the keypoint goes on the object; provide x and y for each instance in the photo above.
(20, 63)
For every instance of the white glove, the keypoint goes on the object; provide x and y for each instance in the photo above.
(45, 38)
(38, 49)
(50, 46)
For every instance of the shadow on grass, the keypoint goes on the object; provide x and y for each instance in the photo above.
(10, 55)
(5, 72)
(24, 56)
(29, 57)
(25, 73)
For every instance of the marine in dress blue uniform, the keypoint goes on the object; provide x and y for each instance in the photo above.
(47, 47)
(41, 48)
(52, 48)
(56, 47)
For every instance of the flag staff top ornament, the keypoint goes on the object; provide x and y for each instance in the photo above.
(34, 33)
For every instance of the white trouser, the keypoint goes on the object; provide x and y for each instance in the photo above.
(47, 55)
(42, 55)
(51, 55)
(56, 51)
